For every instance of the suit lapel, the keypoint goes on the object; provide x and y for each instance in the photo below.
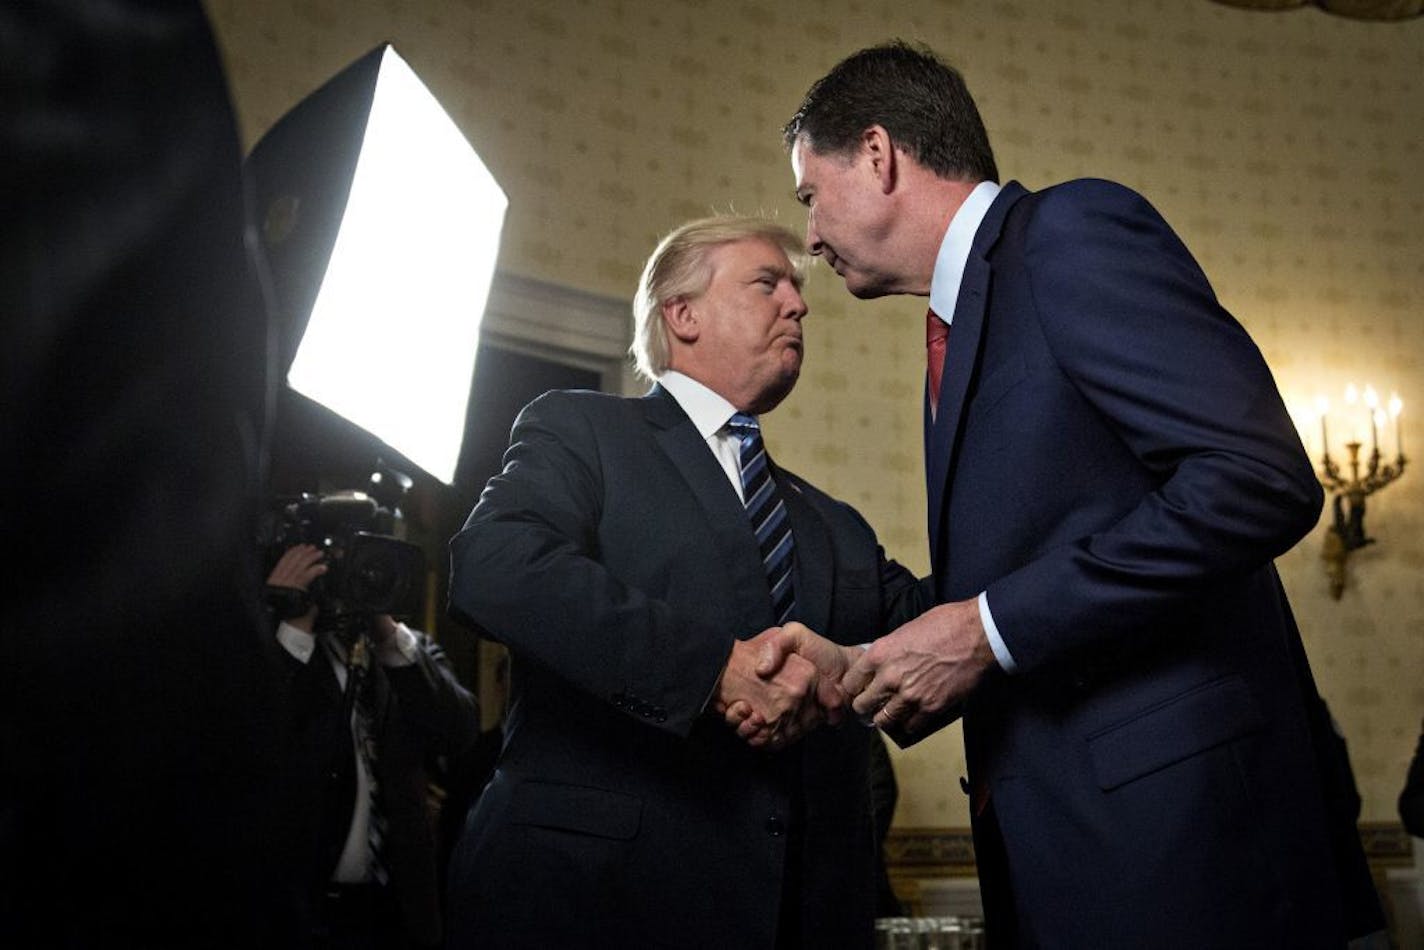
(942, 435)
(735, 547)
(814, 563)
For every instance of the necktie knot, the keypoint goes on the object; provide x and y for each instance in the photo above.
(743, 425)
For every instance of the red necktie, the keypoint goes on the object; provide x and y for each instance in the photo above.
(936, 333)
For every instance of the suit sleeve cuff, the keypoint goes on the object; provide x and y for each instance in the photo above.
(996, 642)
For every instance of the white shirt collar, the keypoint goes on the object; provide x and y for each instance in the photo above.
(708, 411)
(954, 249)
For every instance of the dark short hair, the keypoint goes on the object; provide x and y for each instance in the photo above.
(920, 100)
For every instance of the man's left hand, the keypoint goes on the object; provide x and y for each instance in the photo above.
(383, 629)
(912, 674)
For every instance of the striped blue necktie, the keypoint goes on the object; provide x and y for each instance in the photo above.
(767, 513)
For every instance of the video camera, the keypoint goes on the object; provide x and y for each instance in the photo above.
(369, 571)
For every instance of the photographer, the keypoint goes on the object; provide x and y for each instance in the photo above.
(372, 703)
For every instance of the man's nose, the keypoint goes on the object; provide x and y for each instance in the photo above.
(795, 306)
(814, 246)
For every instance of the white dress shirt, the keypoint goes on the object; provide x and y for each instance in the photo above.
(710, 413)
(944, 295)
(354, 866)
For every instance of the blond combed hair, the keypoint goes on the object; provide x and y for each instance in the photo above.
(679, 267)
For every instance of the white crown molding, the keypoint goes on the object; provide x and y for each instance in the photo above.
(565, 325)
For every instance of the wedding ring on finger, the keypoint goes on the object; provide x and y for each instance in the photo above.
(887, 718)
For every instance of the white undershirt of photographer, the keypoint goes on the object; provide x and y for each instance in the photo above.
(354, 867)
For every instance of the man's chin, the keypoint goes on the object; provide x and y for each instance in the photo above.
(774, 394)
(862, 289)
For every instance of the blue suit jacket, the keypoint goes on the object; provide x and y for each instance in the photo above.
(1112, 463)
(615, 560)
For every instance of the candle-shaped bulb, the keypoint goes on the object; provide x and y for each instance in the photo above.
(1323, 405)
(1303, 417)
(1396, 409)
(1354, 423)
(1371, 401)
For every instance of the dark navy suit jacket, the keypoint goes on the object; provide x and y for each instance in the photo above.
(1111, 461)
(615, 560)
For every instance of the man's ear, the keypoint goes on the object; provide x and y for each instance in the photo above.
(879, 150)
(680, 319)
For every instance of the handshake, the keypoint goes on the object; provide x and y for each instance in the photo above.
(786, 681)
(782, 683)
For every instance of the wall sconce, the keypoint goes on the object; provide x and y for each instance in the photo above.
(1350, 488)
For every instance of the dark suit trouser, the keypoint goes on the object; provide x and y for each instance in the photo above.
(996, 892)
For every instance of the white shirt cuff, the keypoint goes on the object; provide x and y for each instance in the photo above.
(298, 643)
(996, 642)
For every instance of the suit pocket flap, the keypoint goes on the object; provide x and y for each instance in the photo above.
(593, 811)
(1204, 717)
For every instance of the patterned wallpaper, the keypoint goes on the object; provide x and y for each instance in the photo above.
(1286, 149)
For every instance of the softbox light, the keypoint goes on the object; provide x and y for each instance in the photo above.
(381, 226)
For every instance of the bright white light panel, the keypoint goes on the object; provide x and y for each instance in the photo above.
(392, 336)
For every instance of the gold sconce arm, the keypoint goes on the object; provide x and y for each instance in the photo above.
(1347, 528)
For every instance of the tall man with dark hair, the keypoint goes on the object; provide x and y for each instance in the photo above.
(633, 555)
(1110, 472)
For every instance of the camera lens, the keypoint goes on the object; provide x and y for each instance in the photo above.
(382, 574)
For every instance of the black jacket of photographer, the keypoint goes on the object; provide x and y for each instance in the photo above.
(421, 712)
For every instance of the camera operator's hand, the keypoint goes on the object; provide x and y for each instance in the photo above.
(383, 629)
(298, 566)
(394, 643)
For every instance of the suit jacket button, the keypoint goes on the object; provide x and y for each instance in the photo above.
(660, 714)
(775, 826)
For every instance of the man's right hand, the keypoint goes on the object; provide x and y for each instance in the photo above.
(777, 646)
(782, 706)
(298, 566)
(831, 660)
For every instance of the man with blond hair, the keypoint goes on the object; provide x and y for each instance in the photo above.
(633, 556)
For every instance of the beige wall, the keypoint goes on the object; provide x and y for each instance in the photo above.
(1287, 148)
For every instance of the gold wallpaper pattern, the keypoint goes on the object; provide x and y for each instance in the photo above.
(1285, 149)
